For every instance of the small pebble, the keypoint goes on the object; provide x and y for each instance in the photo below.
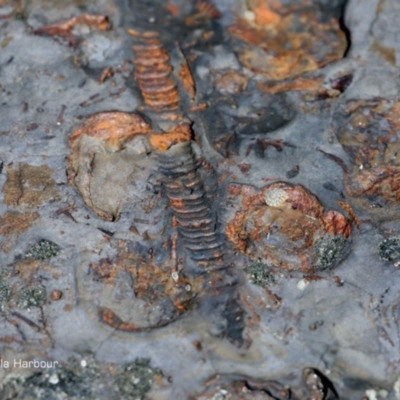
(56, 295)
(54, 379)
(302, 284)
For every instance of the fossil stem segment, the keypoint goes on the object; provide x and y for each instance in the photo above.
(197, 226)
(154, 72)
(187, 198)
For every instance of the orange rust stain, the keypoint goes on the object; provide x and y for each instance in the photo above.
(208, 9)
(173, 9)
(374, 152)
(287, 44)
(312, 278)
(164, 141)
(310, 84)
(100, 22)
(105, 272)
(351, 212)
(336, 223)
(381, 180)
(152, 281)
(235, 232)
(235, 189)
(106, 74)
(112, 127)
(185, 74)
(176, 203)
(246, 32)
(147, 34)
(199, 107)
(174, 222)
(265, 16)
(205, 12)
(110, 318)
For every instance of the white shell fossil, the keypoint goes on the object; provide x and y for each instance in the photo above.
(275, 197)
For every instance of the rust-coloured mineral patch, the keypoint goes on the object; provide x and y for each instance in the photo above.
(368, 132)
(29, 185)
(230, 82)
(205, 12)
(63, 29)
(12, 224)
(186, 76)
(124, 283)
(112, 128)
(286, 225)
(27, 269)
(56, 295)
(283, 42)
(163, 141)
(313, 84)
(15, 223)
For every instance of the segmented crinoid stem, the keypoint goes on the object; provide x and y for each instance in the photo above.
(197, 226)
(275, 197)
(187, 198)
(154, 72)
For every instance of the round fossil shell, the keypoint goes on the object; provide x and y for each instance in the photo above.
(276, 197)
(287, 226)
(105, 151)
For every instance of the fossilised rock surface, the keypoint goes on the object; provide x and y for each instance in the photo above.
(211, 147)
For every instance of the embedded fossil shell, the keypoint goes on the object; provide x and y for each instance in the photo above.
(99, 146)
(368, 131)
(276, 197)
(287, 226)
(131, 272)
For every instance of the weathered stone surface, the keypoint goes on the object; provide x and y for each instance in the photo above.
(268, 98)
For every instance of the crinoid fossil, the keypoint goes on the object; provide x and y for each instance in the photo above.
(153, 72)
(205, 275)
